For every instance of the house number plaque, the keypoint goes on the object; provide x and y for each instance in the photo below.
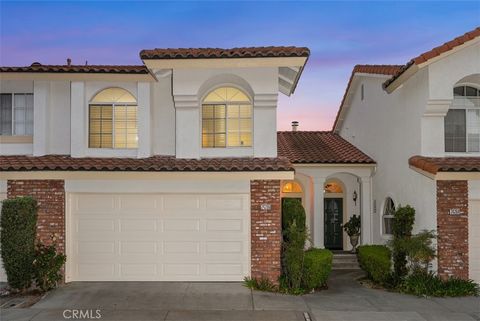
(455, 211)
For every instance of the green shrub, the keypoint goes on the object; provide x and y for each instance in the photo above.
(403, 221)
(293, 255)
(47, 265)
(423, 283)
(293, 211)
(375, 260)
(419, 249)
(262, 284)
(317, 266)
(17, 240)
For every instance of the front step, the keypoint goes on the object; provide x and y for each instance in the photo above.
(345, 261)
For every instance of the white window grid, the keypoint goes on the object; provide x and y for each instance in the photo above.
(27, 123)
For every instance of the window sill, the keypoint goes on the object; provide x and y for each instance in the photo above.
(462, 154)
(111, 152)
(16, 139)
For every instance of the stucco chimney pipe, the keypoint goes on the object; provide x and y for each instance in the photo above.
(294, 126)
(69, 61)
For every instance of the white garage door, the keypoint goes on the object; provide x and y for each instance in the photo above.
(474, 239)
(161, 237)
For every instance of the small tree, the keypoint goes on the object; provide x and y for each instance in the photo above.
(402, 227)
(293, 211)
(293, 255)
(18, 225)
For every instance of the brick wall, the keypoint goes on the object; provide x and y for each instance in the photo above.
(266, 229)
(50, 196)
(452, 229)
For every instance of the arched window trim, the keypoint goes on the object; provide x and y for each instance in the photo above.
(388, 215)
(219, 120)
(113, 124)
(336, 181)
(92, 100)
(293, 182)
(462, 122)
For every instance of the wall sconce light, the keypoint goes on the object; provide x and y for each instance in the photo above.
(355, 197)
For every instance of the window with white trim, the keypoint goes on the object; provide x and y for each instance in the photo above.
(388, 216)
(16, 114)
(113, 120)
(226, 119)
(462, 122)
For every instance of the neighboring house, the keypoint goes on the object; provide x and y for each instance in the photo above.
(421, 124)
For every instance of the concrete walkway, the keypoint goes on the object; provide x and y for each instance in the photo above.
(345, 300)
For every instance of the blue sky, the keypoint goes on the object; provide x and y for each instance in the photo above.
(339, 35)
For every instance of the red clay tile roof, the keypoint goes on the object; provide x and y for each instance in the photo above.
(244, 52)
(388, 70)
(318, 147)
(111, 69)
(151, 164)
(434, 165)
(435, 52)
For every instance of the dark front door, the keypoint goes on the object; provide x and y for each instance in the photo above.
(333, 223)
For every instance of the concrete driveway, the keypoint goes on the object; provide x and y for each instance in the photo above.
(345, 300)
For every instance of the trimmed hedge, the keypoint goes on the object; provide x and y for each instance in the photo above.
(317, 266)
(376, 261)
(17, 240)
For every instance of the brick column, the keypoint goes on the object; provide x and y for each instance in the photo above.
(266, 229)
(452, 228)
(50, 196)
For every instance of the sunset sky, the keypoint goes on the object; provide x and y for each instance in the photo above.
(339, 35)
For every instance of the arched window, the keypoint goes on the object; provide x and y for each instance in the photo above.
(113, 120)
(333, 187)
(226, 118)
(388, 216)
(291, 187)
(462, 122)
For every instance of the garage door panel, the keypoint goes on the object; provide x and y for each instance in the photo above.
(86, 248)
(224, 269)
(171, 225)
(141, 237)
(224, 225)
(181, 269)
(181, 247)
(93, 203)
(127, 248)
(181, 202)
(138, 270)
(138, 225)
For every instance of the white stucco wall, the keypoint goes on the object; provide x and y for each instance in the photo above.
(191, 85)
(169, 113)
(388, 128)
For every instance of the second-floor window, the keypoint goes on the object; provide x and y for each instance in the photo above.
(112, 117)
(16, 114)
(226, 119)
(462, 123)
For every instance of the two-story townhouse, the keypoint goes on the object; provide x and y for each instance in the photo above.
(162, 171)
(168, 170)
(421, 124)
